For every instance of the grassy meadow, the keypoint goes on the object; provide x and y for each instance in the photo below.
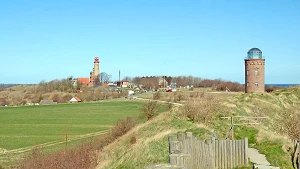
(27, 126)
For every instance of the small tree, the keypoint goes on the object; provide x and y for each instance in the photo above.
(104, 77)
(156, 96)
(149, 109)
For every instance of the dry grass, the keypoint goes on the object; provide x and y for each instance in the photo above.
(204, 109)
(109, 153)
(289, 122)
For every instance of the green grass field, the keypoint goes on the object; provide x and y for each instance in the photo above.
(31, 125)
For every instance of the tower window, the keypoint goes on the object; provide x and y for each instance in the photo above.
(247, 83)
(256, 84)
(256, 72)
(247, 72)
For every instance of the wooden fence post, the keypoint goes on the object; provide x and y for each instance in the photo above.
(246, 151)
(189, 143)
(172, 148)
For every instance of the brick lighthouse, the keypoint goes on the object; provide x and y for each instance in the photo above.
(254, 71)
(95, 74)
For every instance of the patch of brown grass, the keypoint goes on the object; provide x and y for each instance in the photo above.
(204, 109)
(289, 122)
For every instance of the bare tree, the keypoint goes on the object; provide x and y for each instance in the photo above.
(104, 77)
(127, 78)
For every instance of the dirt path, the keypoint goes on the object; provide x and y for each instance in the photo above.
(257, 158)
(177, 104)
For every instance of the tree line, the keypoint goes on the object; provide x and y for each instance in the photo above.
(151, 82)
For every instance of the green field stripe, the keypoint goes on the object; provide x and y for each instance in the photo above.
(25, 149)
(27, 136)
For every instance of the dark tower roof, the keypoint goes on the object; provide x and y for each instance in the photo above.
(254, 53)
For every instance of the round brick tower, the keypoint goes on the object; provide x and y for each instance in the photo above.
(254, 71)
(96, 71)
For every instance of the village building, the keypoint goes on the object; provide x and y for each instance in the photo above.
(75, 99)
(47, 102)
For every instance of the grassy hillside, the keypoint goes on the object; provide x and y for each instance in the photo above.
(147, 144)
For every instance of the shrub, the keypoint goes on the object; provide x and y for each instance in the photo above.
(3, 101)
(82, 157)
(23, 102)
(56, 97)
(288, 122)
(66, 98)
(149, 109)
(179, 96)
(232, 86)
(204, 109)
(122, 126)
(156, 96)
(170, 103)
(270, 89)
(133, 138)
(196, 94)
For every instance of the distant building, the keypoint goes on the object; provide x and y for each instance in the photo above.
(75, 99)
(254, 71)
(47, 102)
(123, 83)
(94, 78)
(162, 82)
(83, 81)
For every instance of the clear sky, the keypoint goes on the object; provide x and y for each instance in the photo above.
(46, 40)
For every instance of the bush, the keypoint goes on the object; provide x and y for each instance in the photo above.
(156, 96)
(170, 103)
(122, 126)
(270, 89)
(288, 122)
(179, 96)
(3, 101)
(232, 86)
(82, 157)
(66, 98)
(204, 109)
(56, 98)
(196, 94)
(133, 139)
(149, 109)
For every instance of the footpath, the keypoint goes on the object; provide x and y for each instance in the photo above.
(259, 160)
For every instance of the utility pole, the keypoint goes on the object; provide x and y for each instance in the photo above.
(67, 135)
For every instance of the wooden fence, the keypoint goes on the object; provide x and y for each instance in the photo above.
(189, 152)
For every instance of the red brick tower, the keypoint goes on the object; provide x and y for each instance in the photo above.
(254, 71)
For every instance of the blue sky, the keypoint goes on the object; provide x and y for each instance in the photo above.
(46, 40)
